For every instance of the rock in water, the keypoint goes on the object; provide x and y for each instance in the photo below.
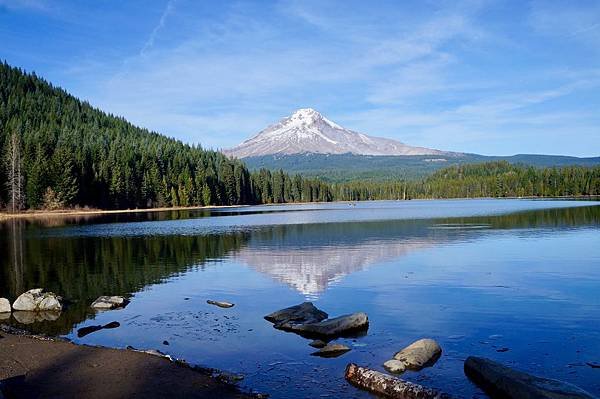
(109, 302)
(331, 350)
(317, 343)
(4, 305)
(335, 327)
(221, 304)
(112, 324)
(500, 381)
(286, 319)
(37, 300)
(394, 366)
(419, 354)
(82, 332)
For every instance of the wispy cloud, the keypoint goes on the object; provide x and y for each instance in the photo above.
(161, 23)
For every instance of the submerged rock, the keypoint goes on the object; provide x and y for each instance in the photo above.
(37, 300)
(82, 332)
(229, 378)
(498, 380)
(5, 306)
(288, 318)
(109, 302)
(337, 326)
(331, 350)
(27, 317)
(317, 343)
(394, 366)
(419, 354)
(220, 304)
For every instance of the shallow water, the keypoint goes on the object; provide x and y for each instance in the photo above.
(479, 276)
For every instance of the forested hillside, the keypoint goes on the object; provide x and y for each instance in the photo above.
(58, 152)
(490, 179)
(340, 168)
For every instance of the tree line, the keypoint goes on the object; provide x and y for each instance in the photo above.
(60, 152)
(490, 179)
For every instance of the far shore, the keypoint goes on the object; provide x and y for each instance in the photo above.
(85, 211)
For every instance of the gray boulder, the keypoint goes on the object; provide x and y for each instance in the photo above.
(4, 305)
(288, 318)
(394, 366)
(317, 343)
(419, 354)
(331, 350)
(109, 302)
(221, 304)
(37, 300)
(337, 326)
(498, 380)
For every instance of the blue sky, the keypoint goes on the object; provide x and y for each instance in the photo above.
(490, 77)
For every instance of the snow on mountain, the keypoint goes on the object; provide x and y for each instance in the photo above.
(307, 131)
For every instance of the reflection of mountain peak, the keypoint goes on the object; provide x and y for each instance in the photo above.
(312, 270)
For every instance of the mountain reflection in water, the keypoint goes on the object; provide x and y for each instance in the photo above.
(306, 257)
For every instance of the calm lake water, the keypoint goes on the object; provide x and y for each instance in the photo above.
(479, 276)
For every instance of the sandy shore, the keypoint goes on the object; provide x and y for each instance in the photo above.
(31, 367)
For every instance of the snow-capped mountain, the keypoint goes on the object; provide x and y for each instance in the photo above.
(307, 131)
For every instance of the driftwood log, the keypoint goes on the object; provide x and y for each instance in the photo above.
(388, 386)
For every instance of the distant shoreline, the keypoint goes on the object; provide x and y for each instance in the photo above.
(85, 212)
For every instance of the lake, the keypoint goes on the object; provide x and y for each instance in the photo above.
(517, 281)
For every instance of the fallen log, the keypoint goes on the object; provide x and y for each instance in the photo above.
(388, 386)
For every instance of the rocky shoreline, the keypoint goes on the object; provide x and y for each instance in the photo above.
(40, 366)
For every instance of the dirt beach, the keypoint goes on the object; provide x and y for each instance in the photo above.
(37, 368)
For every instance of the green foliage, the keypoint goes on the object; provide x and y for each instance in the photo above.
(343, 168)
(87, 157)
(490, 179)
(502, 179)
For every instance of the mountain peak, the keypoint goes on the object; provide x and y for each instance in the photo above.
(310, 116)
(306, 112)
(308, 131)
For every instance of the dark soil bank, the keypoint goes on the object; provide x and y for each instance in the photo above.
(34, 368)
